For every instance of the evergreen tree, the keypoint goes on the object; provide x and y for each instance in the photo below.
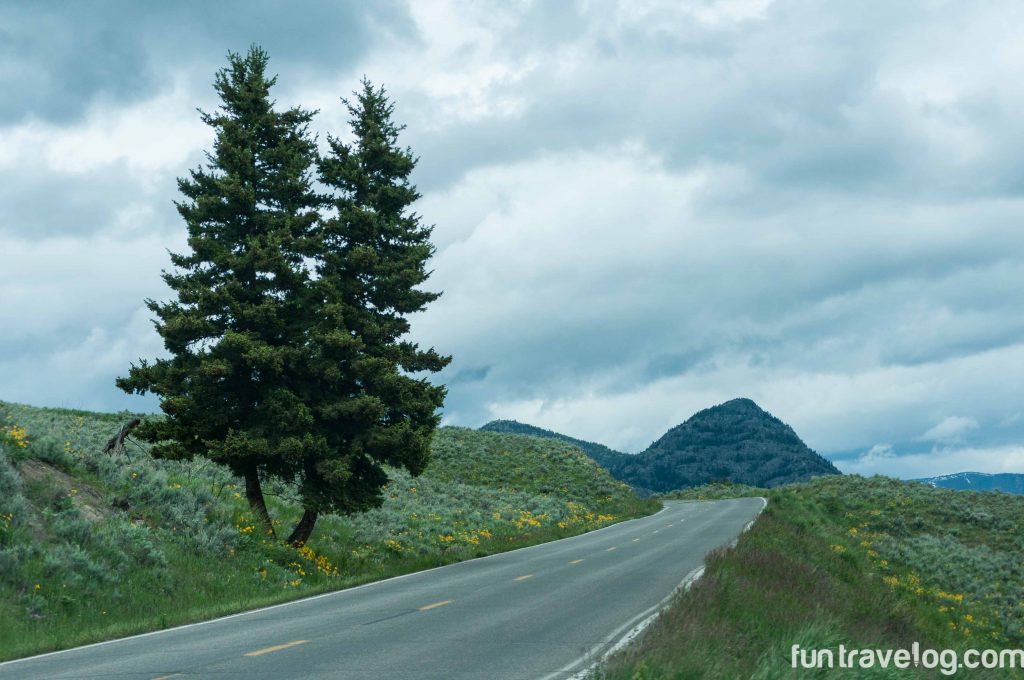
(372, 254)
(237, 331)
(286, 338)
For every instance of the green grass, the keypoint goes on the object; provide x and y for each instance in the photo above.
(867, 563)
(523, 463)
(94, 546)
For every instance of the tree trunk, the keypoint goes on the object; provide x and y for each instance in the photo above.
(304, 529)
(254, 494)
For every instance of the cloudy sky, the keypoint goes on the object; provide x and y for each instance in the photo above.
(642, 208)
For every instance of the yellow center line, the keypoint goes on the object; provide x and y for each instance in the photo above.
(428, 607)
(575, 561)
(523, 578)
(277, 648)
(610, 549)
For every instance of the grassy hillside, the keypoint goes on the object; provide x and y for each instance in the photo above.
(94, 546)
(608, 459)
(845, 560)
(516, 462)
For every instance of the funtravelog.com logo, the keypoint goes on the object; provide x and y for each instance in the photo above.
(946, 661)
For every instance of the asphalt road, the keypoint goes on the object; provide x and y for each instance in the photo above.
(548, 611)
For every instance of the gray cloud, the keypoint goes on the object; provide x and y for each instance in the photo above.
(43, 203)
(59, 58)
(830, 100)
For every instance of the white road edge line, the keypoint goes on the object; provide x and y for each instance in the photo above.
(647, 618)
(333, 593)
(633, 629)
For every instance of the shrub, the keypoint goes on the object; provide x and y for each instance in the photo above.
(73, 565)
(135, 544)
(52, 450)
(69, 525)
(13, 508)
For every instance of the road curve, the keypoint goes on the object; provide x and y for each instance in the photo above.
(547, 611)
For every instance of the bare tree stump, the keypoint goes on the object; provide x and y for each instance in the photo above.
(116, 443)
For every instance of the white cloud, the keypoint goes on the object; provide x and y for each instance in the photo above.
(950, 429)
(153, 135)
(458, 69)
(76, 285)
(877, 455)
(79, 369)
(666, 17)
(939, 462)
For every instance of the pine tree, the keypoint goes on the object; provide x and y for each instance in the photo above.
(372, 254)
(236, 333)
(286, 339)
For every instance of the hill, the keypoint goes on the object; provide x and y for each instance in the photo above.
(736, 442)
(94, 546)
(979, 481)
(515, 462)
(607, 458)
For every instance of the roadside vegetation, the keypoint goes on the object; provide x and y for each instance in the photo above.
(715, 491)
(867, 563)
(94, 546)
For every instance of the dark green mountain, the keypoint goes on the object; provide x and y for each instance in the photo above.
(736, 441)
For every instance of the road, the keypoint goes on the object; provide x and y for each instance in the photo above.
(547, 611)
